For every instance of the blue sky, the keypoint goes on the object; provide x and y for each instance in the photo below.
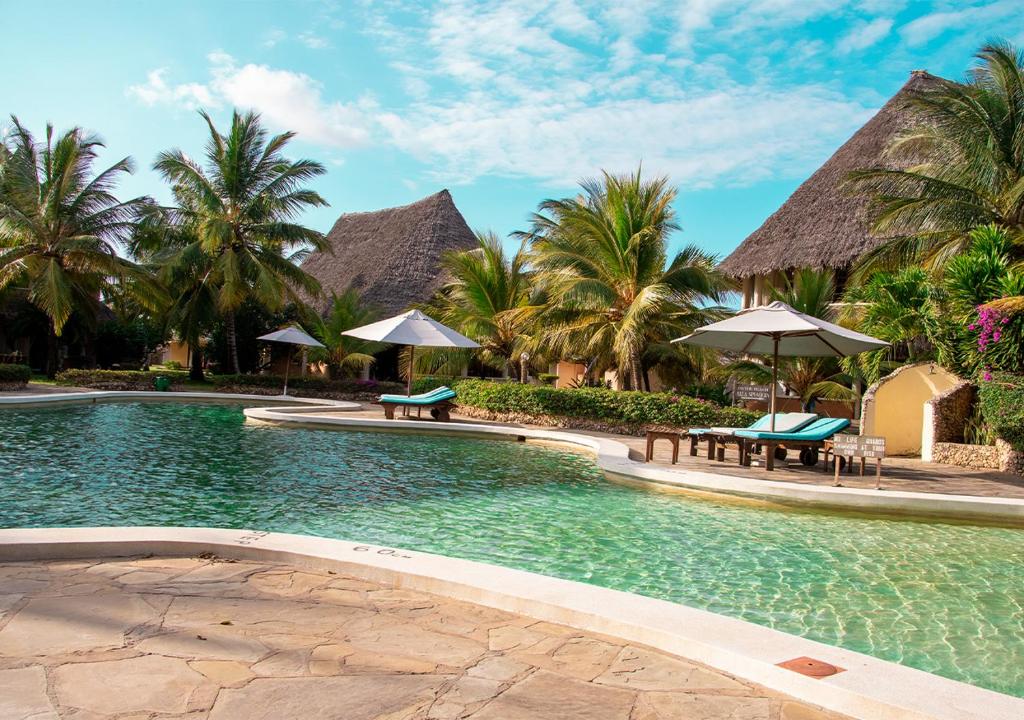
(504, 103)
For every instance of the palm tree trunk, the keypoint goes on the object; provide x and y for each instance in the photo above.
(232, 338)
(52, 351)
(196, 365)
(634, 370)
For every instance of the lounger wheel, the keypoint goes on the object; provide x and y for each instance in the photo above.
(780, 453)
(809, 457)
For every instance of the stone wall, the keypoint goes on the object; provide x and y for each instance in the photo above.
(942, 439)
(970, 456)
(950, 411)
(1010, 460)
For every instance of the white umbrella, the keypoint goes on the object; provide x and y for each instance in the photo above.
(292, 336)
(778, 329)
(414, 329)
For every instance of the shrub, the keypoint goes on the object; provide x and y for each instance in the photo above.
(15, 375)
(634, 408)
(1002, 407)
(341, 386)
(118, 379)
(172, 365)
(547, 378)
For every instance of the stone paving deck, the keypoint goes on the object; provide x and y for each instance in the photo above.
(205, 639)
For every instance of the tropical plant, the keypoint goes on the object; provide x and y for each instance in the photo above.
(61, 226)
(901, 308)
(343, 355)
(233, 233)
(611, 292)
(964, 166)
(481, 301)
(985, 288)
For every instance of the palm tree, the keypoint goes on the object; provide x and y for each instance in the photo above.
(61, 226)
(238, 212)
(964, 163)
(482, 299)
(899, 307)
(343, 354)
(602, 259)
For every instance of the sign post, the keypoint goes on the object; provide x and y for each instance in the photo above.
(860, 446)
(746, 391)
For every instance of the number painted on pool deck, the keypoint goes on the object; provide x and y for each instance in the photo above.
(381, 551)
(251, 537)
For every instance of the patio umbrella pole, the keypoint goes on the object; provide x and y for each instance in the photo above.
(775, 376)
(287, 366)
(412, 358)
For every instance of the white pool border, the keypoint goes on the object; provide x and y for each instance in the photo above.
(868, 688)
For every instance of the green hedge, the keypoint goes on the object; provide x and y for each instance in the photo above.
(118, 379)
(1002, 407)
(347, 386)
(634, 408)
(14, 374)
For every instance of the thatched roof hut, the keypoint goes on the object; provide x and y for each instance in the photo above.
(392, 256)
(822, 225)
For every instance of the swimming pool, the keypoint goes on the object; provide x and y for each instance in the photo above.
(941, 597)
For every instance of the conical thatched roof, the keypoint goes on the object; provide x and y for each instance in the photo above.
(822, 225)
(392, 256)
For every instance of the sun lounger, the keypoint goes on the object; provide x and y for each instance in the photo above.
(438, 401)
(809, 439)
(719, 436)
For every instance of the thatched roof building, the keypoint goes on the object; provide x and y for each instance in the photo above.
(822, 225)
(392, 256)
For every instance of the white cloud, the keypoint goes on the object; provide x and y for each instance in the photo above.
(313, 41)
(864, 35)
(274, 37)
(931, 26)
(156, 91)
(739, 134)
(287, 100)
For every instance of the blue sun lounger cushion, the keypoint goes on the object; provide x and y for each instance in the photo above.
(821, 429)
(784, 422)
(434, 396)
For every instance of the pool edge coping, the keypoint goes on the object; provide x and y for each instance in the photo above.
(868, 687)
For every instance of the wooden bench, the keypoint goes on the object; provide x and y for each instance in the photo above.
(672, 437)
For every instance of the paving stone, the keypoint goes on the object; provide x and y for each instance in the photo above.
(226, 673)
(796, 711)
(500, 667)
(416, 642)
(676, 706)
(641, 669)
(220, 643)
(351, 697)
(7, 602)
(287, 584)
(57, 625)
(581, 658)
(340, 596)
(372, 661)
(329, 659)
(287, 663)
(545, 695)
(508, 637)
(146, 577)
(149, 683)
(270, 616)
(23, 694)
(219, 571)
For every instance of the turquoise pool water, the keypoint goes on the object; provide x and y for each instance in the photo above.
(944, 598)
